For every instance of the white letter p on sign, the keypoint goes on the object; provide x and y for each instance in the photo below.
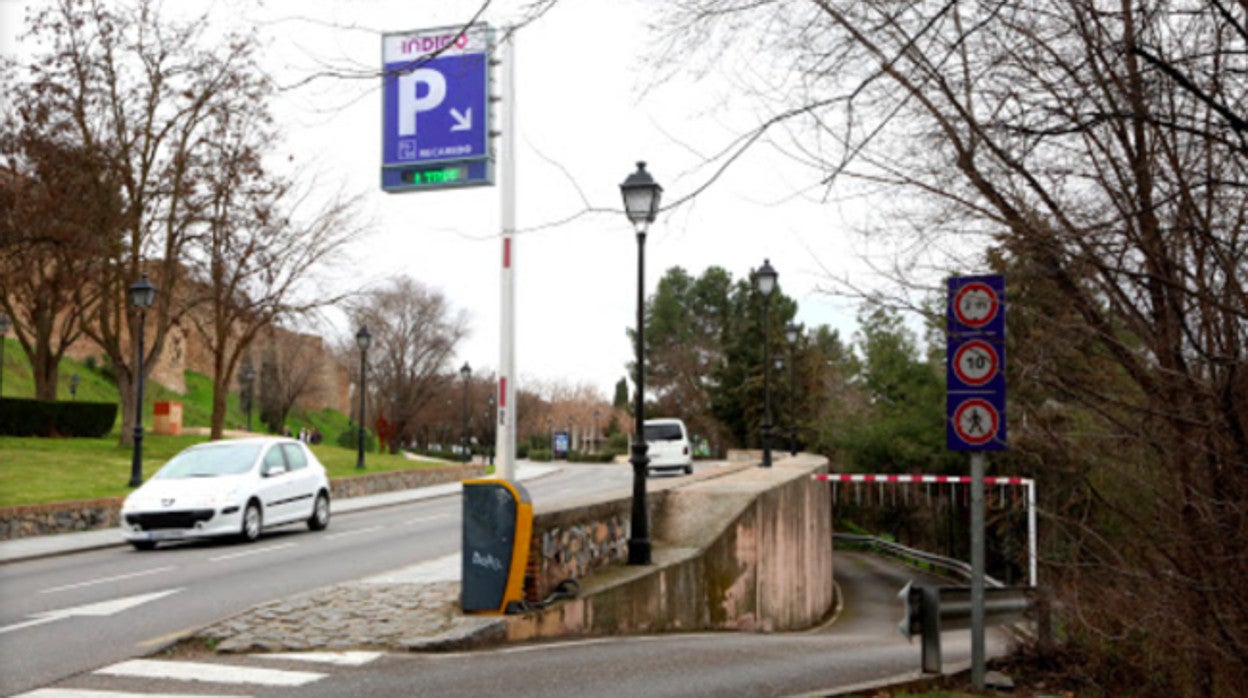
(410, 105)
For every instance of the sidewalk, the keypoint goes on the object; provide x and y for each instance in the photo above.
(44, 546)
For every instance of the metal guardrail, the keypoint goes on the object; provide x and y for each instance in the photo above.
(901, 551)
(929, 610)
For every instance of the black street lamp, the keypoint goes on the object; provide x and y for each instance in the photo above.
(362, 340)
(466, 373)
(641, 204)
(246, 378)
(791, 333)
(765, 280)
(4, 332)
(142, 295)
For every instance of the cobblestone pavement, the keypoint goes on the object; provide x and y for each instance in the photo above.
(410, 610)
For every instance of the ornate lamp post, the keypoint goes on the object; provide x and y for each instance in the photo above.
(142, 295)
(641, 204)
(466, 373)
(791, 333)
(4, 332)
(362, 340)
(765, 281)
(246, 379)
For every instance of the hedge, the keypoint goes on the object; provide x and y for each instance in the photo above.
(23, 417)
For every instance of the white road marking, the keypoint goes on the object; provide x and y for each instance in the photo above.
(353, 532)
(101, 608)
(423, 519)
(215, 673)
(339, 658)
(87, 693)
(106, 580)
(253, 551)
(443, 569)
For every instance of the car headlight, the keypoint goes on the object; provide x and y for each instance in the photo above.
(225, 498)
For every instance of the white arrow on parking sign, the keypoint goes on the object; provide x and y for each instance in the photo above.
(101, 608)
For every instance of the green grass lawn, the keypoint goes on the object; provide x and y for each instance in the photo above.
(35, 471)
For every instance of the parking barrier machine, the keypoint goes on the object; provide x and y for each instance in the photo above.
(497, 527)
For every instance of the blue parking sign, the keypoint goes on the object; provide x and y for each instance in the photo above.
(436, 108)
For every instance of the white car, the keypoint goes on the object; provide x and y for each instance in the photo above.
(668, 445)
(228, 488)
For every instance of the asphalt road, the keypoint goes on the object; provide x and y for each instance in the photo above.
(69, 615)
(860, 647)
(63, 615)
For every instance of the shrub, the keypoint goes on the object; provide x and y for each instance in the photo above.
(21, 417)
(541, 455)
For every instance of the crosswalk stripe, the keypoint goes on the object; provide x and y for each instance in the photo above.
(339, 658)
(215, 673)
(85, 693)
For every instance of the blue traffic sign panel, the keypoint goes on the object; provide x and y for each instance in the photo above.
(436, 105)
(975, 363)
(977, 304)
(976, 422)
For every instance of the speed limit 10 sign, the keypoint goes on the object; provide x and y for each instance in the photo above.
(975, 376)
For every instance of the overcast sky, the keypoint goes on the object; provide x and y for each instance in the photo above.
(587, 109)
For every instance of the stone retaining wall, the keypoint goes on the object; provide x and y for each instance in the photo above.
(87, 515)
(575, 541)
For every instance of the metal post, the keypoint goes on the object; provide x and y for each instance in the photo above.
(359, 462)
(1032, 553)
(792, 413)
(977, 571)
(136, 462)
(505, 438)
(639, 536)
(467, 441)
(766, 386)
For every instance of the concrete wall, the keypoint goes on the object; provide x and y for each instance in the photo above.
(745, 548)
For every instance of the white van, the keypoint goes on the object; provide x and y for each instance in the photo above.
(668, 442)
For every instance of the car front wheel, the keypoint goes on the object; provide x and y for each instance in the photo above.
(320, 513)
(252, 520)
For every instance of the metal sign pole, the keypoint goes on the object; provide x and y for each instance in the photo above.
(1032, 553)
(505, 440)
(977, 570)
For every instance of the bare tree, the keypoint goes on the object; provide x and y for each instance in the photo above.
(50, 251)
(1094, 146)
(137, 93)
(415, 334)
(255, 263)
(290, 371)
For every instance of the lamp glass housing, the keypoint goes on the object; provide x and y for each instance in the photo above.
(641, 197)
(142, 293)
(765, 278)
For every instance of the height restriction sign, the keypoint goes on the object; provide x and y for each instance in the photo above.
(975, 379)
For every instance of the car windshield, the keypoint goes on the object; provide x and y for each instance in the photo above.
(663, 432)
(211, 461)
